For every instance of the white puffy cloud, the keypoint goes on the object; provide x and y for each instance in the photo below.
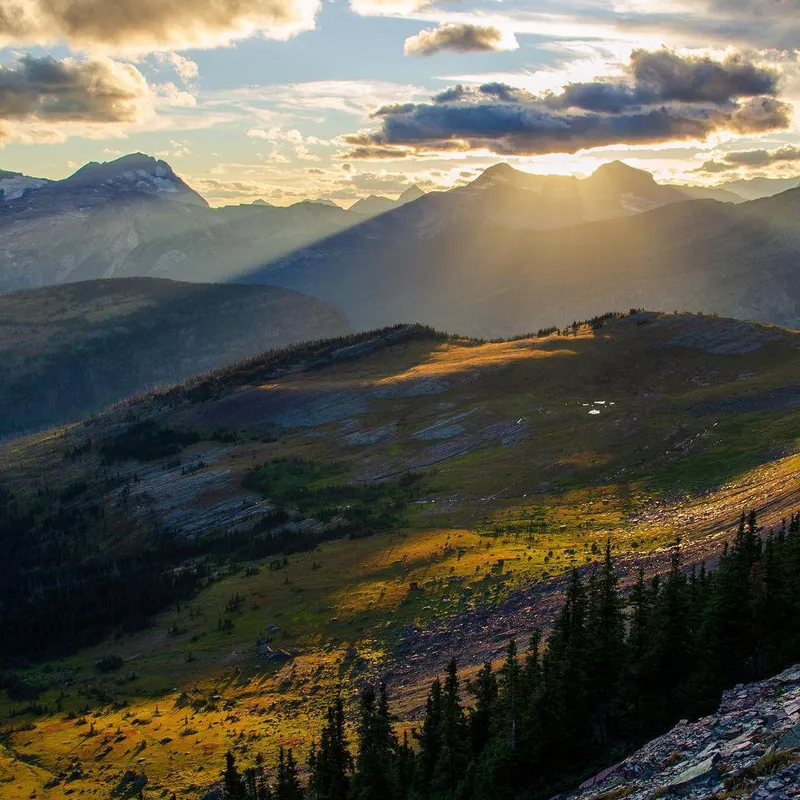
(389, 8)
(96, 90)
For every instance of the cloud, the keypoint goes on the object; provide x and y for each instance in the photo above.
(459, 37)
(752, 159)
(96, 90)
(168, 94)
(389, 8)
(661, 97)
(394, 182)
(150, 25)
(185, 68)
(763, 158)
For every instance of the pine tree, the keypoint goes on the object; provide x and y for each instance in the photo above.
(605, 648)
(454, 738)
(405, 769)
(668, 661)
(429, 741)
(565, 704)
(287, 783)
(375, 771)
(484, 691)
(256, 781)
(233, 787)
(332, 762)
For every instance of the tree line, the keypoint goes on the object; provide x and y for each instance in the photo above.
(616, 670)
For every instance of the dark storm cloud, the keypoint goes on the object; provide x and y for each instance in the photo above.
(662, 97)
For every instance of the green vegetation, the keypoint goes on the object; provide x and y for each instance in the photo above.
(146, 441)
(615, 670)
(281, 554)
(310, 488)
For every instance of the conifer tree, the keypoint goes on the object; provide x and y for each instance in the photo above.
(605, 648)
(428, 739)
(484, 691)
(453, 738)
(287, 783)
(332, 762)
(377, 748)
(233, 787)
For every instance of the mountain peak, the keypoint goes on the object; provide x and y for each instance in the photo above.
(410, 194)
(135, 172)
(618, 172)
(501, 171)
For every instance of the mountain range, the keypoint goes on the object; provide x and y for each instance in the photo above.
(136, 217)
(509, 252)
(489, 279)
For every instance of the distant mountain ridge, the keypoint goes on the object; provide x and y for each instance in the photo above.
(99, 182)
(482, 278)
(509, 252)
(68, 351)
(377, 204)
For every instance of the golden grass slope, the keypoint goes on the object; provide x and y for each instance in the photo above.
(697, 421)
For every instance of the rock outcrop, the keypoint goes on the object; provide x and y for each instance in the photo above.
(749, 749)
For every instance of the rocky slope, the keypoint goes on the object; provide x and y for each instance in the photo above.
(747, 749)
(136, 217)
(70, 350)
(530, 454)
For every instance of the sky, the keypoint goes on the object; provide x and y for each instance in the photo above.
(287, 99)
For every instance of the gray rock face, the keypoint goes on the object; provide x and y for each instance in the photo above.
(747, 750)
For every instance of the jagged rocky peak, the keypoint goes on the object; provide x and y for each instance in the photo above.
(134, 172)
(749, 743)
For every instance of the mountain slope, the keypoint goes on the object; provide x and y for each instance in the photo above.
(756, 188)
(525, 457)
(376, 204)
(486, 279)
(135, 217)
(69, 351)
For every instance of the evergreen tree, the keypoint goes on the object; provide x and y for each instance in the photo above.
(287, 783)
(668, 661)
(428, 739)
(256, 781)
(405, 769)
(484, 691)
(332, 763)
(375, 771)
(453, 757)
(565, 703)
(233, 786)
(605, 648)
